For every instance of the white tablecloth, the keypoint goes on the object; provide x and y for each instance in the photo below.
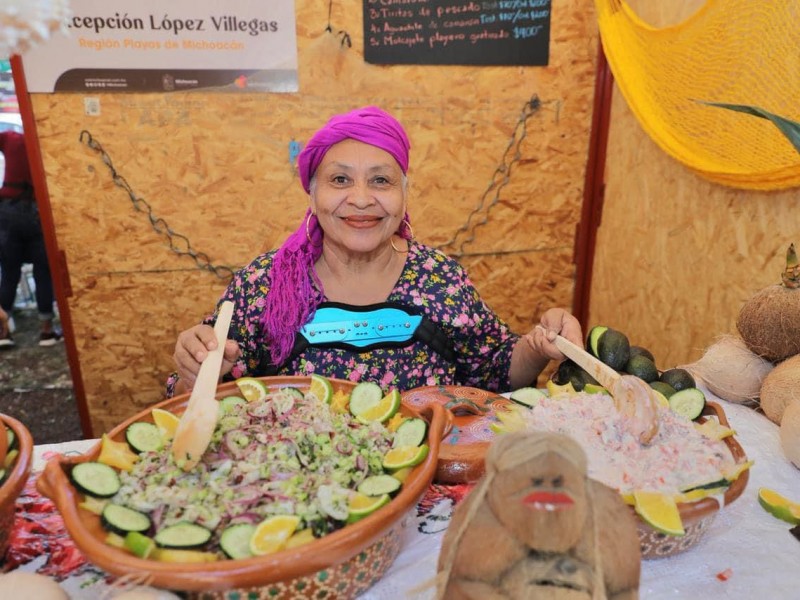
(758, 551)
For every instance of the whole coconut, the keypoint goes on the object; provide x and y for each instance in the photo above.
(790, 433)
(780, 388)
(769, 322)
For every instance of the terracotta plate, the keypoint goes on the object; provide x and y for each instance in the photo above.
(324, 566)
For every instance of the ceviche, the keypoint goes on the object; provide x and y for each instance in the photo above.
(283, 467)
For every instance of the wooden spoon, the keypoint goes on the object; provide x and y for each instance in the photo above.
(197, 423)
(632, 396)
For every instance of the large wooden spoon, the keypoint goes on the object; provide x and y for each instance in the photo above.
(197, 423)
(632, 396)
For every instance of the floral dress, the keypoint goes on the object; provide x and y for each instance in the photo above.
(432, 284)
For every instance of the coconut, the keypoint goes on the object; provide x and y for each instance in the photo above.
(781, 386)
(790, 433)
(730, 370)
(768, 322)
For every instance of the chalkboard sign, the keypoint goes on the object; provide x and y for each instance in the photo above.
(457, 32)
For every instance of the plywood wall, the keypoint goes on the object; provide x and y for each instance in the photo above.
(676, 255)
(216, 168)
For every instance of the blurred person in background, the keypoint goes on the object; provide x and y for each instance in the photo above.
(22, 241)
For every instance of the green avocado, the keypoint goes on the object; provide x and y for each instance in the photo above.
(614, 349)
(678, 378)
(642, 367)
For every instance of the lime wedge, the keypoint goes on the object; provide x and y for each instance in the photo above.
(272, 534)
(251, 388)
(659, 511)
(166, 422)
(383, 410)
(405, 456)
(321, 388)
(300, 538)
(361, 505)
(779, 506)
(139, 544)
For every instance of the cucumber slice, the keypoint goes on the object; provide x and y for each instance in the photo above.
(296, 392)
(228, 403)
(410, 433)
(527, 396)
(378, 485)
(364, 396)
(183, 535)
(235, 540)
(11, 437)
(688, 403)
(144, 437)
(717, 483)
(121, 519)
(95, 479)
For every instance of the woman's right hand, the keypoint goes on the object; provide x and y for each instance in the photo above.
(192, 349)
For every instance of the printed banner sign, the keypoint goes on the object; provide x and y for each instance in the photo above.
(152, 46)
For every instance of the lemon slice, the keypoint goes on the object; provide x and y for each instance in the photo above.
(172, 555)
(361, 505)
(321, 388)
(405, 456)
(714, 430)
(659, 511)
(300, 538)
(272, 534)
(116, 454)
(383, 410)
(166, 422)
(252, 389)
(779, 506)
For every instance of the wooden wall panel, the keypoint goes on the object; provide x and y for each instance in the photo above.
(677, 255)
(216, 168)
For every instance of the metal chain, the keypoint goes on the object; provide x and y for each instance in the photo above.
(178, 242)
(500, 178)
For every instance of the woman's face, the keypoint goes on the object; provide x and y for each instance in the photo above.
(359, 197)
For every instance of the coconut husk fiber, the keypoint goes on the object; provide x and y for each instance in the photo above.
(769, 324)
(780, 388)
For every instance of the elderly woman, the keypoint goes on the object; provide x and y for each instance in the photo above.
(352, 295)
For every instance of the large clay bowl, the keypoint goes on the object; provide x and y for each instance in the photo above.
(696, 516)
(342, 564)
(20, 468)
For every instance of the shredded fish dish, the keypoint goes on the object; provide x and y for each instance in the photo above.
(678, 458)
(288, 454)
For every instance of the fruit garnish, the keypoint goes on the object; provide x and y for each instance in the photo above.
(166, 422)
(272, 534)
(383, 411)
(300, 538)
(321, 388)
(405, 456)
(251, 388)
(361, 505)
(116, 454)
(779, 506)
(553, 389)
(659, 511)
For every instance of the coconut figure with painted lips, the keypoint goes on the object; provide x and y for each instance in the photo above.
(536, 526)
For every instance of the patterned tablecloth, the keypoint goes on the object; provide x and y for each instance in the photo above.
(745, 551)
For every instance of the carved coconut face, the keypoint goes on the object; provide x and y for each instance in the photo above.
(541, 502)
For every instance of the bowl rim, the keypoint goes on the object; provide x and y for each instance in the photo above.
(18, 477)
(322, 553)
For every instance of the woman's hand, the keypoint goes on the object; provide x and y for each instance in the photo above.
(555, 321)
(192, 349)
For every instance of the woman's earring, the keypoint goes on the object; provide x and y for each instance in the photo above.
(308, 231)
(411, 237)
(408, 226)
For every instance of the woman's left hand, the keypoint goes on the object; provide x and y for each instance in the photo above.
(555, 321)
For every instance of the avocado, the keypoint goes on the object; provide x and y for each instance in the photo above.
(614, 349)
(639, 350)
(678, 378)
(566, 369)
(593, 338)
(666, 389)
(580, 378)
(642, 367)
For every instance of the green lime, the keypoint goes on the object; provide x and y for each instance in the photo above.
(138, 543)
(362, 505)
(383, 410)
(659, 511)
(779, 506)
(321, 388)
(405, 456)
(252, 389)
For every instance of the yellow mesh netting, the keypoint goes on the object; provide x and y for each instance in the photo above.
(732, 51)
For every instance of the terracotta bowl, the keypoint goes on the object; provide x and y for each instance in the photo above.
(696, 516)
(342, 564)
(20, 469)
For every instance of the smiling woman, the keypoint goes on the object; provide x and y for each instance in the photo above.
(351, 295)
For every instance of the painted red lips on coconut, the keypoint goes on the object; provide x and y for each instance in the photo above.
(549, 501)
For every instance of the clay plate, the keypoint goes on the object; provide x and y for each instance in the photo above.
(17, 478)
(472, 410)
(342, 564)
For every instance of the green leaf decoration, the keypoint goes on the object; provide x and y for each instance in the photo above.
(790, 129)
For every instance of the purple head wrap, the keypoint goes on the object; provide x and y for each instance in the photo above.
(292, 298)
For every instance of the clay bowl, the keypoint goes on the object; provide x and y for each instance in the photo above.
(696, 516)
(18, 471)
(342, 564)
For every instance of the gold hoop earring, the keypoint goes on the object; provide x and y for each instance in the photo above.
(308, 232)
(396, 249)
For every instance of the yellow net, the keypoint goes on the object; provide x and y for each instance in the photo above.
(730, 51)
